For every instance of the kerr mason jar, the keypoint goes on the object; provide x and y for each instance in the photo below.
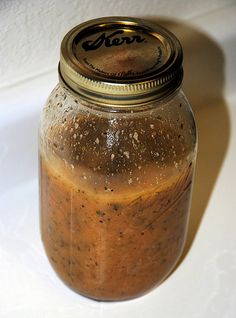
(117, 155)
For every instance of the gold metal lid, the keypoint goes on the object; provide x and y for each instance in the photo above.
(120, 61)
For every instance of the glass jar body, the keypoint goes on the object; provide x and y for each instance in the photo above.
(115, 190)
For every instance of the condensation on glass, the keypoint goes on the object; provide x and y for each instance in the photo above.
(117, 153)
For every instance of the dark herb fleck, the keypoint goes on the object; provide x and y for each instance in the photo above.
(115, 207)
(100, 213)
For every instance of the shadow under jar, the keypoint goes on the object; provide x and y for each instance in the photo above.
(117, 154)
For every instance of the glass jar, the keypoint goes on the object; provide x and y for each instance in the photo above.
(117, 155)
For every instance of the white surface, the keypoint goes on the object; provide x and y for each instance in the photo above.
(31, 31)
(204, 283)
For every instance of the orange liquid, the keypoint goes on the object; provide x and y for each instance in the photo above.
(117, 245)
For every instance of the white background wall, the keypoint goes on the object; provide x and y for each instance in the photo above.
(31, 30)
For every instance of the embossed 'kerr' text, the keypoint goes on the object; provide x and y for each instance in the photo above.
(111, 40)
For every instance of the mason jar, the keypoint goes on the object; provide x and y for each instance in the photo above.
(117, 154)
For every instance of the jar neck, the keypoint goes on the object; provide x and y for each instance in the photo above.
(127, 108)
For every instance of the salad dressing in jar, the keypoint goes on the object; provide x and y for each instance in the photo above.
(117, 156)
